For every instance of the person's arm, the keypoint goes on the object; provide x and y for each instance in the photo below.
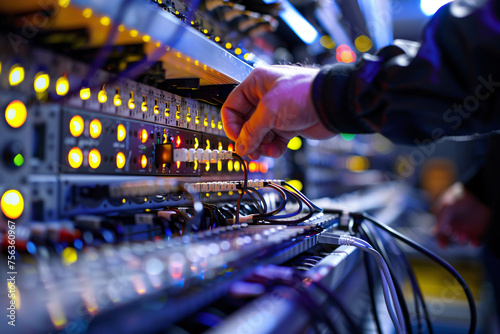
(449, 86)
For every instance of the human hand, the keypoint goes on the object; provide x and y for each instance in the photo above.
(270, 107)
(460, 217)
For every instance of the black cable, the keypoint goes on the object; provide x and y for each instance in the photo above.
(263, 201)
(433, 257)
(245, 183)
(379, 248)
(417, 293)
(371, 286)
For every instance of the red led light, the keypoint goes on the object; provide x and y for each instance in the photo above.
(264, 167)
(178, 141)
(230, 147)
(344, 54)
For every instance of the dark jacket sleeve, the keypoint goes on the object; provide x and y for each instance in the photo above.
(447, 86)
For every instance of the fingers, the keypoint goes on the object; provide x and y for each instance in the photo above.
(256, 128)
(240, 105)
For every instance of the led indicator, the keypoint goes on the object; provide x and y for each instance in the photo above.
(178, 164)
(295, 143)
(196, 143)
(230, 166)
(178, 141)
(76, 125)
(75, 157)
(120, 160)
(41, 82)
(62, 86)
(85, 93)
(237, 166)
(16, 75)
(102, 96)
(144, 161)
(94, 158)
(117, 101)
(95, 128)
(220, 148)
(12, 204)
(15, 114)
(121, 132)
(19, 160)
(144, 135)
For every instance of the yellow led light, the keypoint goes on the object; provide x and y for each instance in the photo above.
(219, 125)
(196, 143)
(363, 43)
(85, 93)
(94, 158)
(121, 28)
(205, 121)
(117, 101)
(63, 3)
(41, 82)
(167, 109)
(144, 161)
(217, 39)
(105, 21)
(121, 132)
(207, 166)
(95, 128)
(220, 148)
(120, 160)
(178, 112)
(327, 42)
(144, 135)
(178, 163)
(188, 118)
(219, 194)
(228, 45)
(357, 164)
(230, 166)
(15, 114)
(131, 104)
(69, 256)
(197, 120)
(76, 125)
(247, 56)
(219, 166)
(146, 38)
(124, 201)
(296, 184)
(195, 167)
(156, 110)
(62, 86)
(87, 13)
(207, 144)
(144, 106)
(212, 124)
(237, 166)
(102, 96)
(16, 75)
(295, 143)
(134, 33)
(12, 204)
(230, 193)
(237, 51)
(75, 157)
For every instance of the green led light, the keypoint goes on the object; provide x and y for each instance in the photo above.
(347, 136)
(18, 160)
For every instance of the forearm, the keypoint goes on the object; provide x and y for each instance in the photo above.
(446, 87)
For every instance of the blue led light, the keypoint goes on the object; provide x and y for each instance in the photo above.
(30, 246)
(78, 244)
